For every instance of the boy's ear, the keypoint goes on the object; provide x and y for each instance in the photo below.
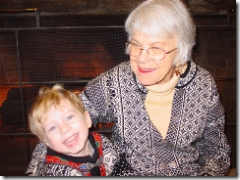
(46, 143)
(88, 119)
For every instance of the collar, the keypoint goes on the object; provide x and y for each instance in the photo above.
(184, 79)
(188, 75)
(76, 159)
(165, 88)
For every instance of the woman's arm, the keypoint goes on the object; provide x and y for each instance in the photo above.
(96, 98)
(38, 156)
(110, 156)
(213, 147)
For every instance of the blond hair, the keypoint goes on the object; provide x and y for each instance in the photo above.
(46, 99)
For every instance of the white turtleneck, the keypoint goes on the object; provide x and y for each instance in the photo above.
(158, 103)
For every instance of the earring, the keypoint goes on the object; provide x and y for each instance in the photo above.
(177, 72)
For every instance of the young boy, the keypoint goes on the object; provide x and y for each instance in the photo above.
(58, 119)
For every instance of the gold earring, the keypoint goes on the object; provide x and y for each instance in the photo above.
(177, 72)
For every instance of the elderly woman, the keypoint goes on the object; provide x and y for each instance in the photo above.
(168, 117)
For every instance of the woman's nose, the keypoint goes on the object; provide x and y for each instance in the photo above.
(143, 56)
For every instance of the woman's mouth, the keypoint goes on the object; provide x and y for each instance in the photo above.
(146, 70)
(70, 141)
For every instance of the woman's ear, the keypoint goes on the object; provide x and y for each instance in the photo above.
(87, 119)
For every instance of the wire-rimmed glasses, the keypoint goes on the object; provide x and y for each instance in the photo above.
(135, 50)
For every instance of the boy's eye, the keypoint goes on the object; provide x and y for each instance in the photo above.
(52, 128)
(69, 117)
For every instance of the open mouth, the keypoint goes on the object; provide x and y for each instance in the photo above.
(146, 70)
(70, 141)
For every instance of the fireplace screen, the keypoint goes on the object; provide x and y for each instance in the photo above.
(66, 49)
(38, 50)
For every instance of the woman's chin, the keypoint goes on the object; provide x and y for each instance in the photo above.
(146, 82)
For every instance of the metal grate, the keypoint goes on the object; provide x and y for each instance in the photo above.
(38, 50)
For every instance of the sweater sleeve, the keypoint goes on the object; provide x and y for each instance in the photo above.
(213, 147)
(96, 98)
(110, 155)
(38, 156)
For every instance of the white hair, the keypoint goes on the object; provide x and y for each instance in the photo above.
(164, 19)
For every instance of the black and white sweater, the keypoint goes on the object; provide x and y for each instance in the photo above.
(195, 143)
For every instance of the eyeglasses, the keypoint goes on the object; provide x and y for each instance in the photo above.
(135, 50)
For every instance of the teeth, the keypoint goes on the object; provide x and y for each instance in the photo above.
(70, 140)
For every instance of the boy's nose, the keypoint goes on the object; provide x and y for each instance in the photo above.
(65, 129)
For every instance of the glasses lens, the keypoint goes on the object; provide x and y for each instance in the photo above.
(134, 50)
(156, 52)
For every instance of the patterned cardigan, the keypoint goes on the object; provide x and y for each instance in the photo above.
(195, 144)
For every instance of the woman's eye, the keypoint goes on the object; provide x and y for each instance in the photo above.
(134, 44)
(156, 48)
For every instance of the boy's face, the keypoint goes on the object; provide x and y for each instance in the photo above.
(66, 130)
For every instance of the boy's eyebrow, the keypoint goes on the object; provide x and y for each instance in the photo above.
(45, 126)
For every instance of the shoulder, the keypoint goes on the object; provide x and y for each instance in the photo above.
(205, 79)
(204, 72)
(194, 74)
(121, 69)
(110, 79)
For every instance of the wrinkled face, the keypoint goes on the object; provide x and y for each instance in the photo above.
(150, 69)
(66, 130)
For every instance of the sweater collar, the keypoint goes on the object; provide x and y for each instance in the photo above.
(164, 89)
(188, 76)
(184, 79)
(82, 159)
